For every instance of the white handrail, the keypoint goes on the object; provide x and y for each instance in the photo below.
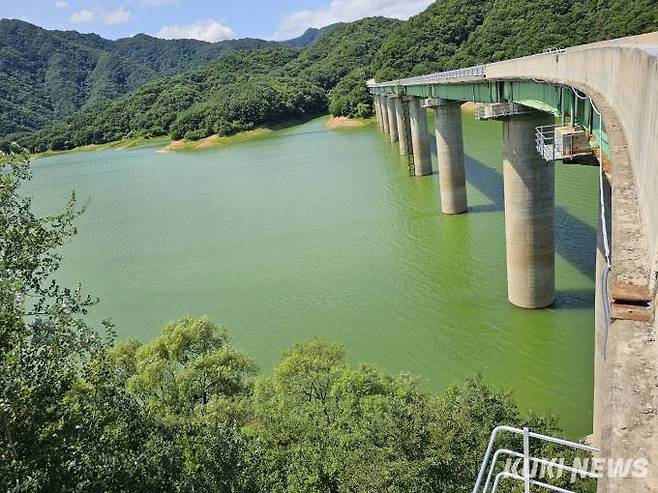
(527, 435)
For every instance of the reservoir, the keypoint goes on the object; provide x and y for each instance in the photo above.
(313, 232)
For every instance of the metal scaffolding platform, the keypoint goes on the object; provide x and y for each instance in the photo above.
(562, 142)
(492, 111)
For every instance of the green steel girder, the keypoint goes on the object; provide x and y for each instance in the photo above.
(552, 98)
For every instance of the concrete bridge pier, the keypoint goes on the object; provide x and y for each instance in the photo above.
(529, 184)
(404, 130)
(383, 105)
(378, 112)
(420, 138)
(450, 155)
(392, 118)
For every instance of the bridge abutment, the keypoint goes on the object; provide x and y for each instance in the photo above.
(529, 184)
(420, 138)
(450, 156)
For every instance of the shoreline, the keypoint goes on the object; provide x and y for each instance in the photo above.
(182, 145)
(338, 122)
(119, 145)
(213, 141)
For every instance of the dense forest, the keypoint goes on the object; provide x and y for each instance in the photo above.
(45, 76)
(458, 33)
(190, 89)
(188, 412)
(234, 92)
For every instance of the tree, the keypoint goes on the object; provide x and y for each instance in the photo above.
(181, 413)
(44, 340)
(181, 372)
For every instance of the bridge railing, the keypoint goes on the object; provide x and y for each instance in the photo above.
(478, 71)
(489, 462)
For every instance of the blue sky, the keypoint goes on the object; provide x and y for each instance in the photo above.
(201, 19)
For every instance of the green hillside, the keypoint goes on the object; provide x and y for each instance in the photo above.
(456, 33)
(310, 36)
(235, 92)
(284, 83)
(46, 76)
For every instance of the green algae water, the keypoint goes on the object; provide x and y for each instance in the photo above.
(315, 232)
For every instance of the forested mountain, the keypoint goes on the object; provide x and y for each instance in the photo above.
(280, 83)
(47, 75)
(342, 50)
(239, 89)
(457, 33)
(310, 36)
(171, 56)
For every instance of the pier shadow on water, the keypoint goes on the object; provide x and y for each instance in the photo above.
(575, 240)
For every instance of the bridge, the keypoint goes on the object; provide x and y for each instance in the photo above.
(594, 104)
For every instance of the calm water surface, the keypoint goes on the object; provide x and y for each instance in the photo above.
(316, 232)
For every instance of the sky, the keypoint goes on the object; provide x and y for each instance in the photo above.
(207, 20)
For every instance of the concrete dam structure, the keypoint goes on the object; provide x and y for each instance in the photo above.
(594, 104)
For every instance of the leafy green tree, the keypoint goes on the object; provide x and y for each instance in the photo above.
(184, 369)
(44, 340)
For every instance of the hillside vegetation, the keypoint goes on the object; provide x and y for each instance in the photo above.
(45, 76)
(310, 36)
(283, 84)
(219, 98)
(240, 89)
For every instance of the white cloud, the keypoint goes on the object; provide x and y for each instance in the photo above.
(209, 30)
(296, 23)
(62, 4)
(119, 16)
(83, 16)
(111, 18)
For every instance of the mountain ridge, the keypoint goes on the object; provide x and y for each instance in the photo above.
(107, 68)
(336, 61)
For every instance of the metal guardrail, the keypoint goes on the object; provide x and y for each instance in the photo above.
(527, 459)
(476, 71)
(492, 111)
(551, 148)
(545, 143)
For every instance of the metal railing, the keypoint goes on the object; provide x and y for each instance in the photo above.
(478, 71)
(545, 143)
(552, 149)
(526, 478)
(492, 111)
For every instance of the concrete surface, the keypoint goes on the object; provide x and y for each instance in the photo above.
(529, 184)
(392, 119)
(420, 139)
(404, 130)
(450, 156)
